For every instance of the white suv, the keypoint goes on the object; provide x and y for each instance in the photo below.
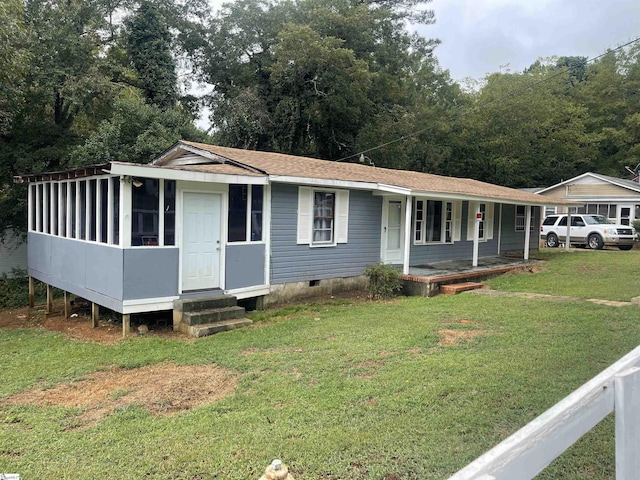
(594, 231)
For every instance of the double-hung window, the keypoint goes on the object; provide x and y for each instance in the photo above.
(483, 214)
(245, 213)
(521, 218)
(435, 221)
(323, 216)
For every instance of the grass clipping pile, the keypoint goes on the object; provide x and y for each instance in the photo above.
(162, 389)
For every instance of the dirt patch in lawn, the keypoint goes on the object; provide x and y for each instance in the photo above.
(450, 337)
(162, 389)
(78, 326)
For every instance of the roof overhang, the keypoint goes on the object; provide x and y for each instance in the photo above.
(167, 173)
(82, 172)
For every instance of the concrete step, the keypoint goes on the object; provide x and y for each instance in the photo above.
(222, 326)
(206, 303)
(212, 315)
(455, 288)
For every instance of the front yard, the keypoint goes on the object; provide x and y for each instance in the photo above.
(411, 388)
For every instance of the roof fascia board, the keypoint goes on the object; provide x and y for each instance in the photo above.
(186, 175)
(323, 182)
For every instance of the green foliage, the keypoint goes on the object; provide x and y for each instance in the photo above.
(14, 289)
(636, 227)
(384, 281)
(149, 48)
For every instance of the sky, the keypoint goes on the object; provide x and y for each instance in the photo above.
(485, 36)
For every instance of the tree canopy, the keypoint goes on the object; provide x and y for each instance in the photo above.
(88, 81)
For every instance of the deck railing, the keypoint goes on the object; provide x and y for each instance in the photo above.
(528, 451)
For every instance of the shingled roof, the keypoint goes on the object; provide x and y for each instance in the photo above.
(279, 166)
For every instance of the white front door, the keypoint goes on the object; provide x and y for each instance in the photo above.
(392, 231)
(200, 241)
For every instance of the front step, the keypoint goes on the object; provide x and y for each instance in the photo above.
(455, 288)
(199, 317)
(222, 326)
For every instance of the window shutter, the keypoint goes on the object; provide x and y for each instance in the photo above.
(471, 220)
(488, 220)
(305, 212)
(457, 220)
(342, 216)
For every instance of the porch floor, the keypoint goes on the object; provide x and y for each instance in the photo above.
(427, 279)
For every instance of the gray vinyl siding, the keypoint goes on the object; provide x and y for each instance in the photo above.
(244, 265)
(150, 272)
(291, 262)
(463, 249)
(513, 241)
(103, 274)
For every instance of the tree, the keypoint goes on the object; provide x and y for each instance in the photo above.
(148, 44)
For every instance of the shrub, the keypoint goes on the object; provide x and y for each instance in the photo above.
(636, 227)
(14, 289)
(384, 281)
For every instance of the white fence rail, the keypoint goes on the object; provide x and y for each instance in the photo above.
(528, 451)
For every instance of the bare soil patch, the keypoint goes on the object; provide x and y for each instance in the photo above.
(162, 389)
(456, 337)
(78, 327)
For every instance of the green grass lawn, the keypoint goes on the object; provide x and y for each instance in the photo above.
(337, 391)
(608, 274)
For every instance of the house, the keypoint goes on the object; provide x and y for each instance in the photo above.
(13, 254)
(616, 198)
(203, 219)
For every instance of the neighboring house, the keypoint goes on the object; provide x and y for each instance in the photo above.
(202, 219)
(13, 254)
(616, 198)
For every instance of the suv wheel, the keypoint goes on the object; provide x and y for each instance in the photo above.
(595, 242)
(552, 240)
(625, 247)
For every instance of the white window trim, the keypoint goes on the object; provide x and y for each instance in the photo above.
(456, 207)
(488, 220)
(305, 217)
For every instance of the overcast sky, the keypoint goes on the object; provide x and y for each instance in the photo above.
(480, 36)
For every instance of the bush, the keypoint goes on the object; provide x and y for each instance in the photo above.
(384, 281)
(14, 290)
(636, 227)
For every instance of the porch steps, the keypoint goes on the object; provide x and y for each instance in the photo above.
(455, 288)
(199, 317)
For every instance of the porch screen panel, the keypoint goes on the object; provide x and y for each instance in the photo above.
(145, 212)
(115, 221)
(72, 208)
(63, 209)
(91, 217)
(169, 212)
(238, 198)
(104, 204)
(257, 193)
(81, 197)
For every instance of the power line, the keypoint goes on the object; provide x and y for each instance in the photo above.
(484, 105)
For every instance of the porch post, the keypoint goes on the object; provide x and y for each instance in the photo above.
(125, 213)
(567, 240)
(527, 232)
(499, 229)
(476, 233)
(407, 234)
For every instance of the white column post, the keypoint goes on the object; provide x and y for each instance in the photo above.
(627, 420)
(125, 214)
(499, 228)
(476, 232)
(527, 232)
(407, 234)
(567, 240)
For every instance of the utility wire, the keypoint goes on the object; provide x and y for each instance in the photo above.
(484, 105)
